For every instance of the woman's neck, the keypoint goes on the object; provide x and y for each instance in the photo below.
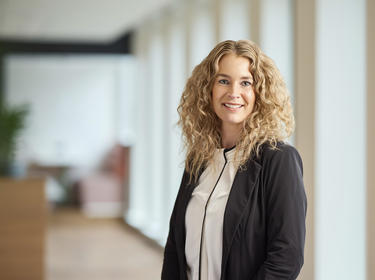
(230, 135)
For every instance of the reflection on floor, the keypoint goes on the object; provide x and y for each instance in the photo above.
(79, 248)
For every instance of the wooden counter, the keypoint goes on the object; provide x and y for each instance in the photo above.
(22, 229)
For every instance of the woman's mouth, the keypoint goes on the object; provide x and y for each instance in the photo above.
(232, 106)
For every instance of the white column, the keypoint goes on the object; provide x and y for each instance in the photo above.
(370, 139)
(276, 35)
(202, 31)
(140, 167)
(234, 23)
(125, 98)
(156, 98)
(340, 140)
(174, 81)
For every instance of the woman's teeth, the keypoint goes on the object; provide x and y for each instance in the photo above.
(232, 105)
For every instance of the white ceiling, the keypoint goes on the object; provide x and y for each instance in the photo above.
(73, 20)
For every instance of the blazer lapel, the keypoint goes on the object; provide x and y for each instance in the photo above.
(242, 188)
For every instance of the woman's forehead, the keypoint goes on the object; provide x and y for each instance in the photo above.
(232, 64)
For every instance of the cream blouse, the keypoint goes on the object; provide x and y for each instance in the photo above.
(204, 217)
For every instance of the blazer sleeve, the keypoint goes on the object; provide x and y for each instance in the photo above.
(170, 269)
(286, 204)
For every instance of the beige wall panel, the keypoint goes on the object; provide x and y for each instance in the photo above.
(255, 21)
(304, 32)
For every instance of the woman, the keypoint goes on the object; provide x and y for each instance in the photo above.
(240, 211)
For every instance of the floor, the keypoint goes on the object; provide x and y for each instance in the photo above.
(80, 248)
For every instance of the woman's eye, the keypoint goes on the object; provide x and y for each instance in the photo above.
(224, 82)
(246, 83)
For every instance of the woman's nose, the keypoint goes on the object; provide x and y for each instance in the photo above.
(233, 96)
(234, 92)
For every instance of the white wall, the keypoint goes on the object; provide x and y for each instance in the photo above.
(79, 105)
(340, 140)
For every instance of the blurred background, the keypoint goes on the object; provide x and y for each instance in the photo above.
(90, 154)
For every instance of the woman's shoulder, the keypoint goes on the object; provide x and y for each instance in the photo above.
(279, 147)
(282, 153)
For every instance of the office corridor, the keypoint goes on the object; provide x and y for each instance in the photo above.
(79, 248)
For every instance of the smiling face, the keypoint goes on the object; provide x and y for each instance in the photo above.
(233, 96)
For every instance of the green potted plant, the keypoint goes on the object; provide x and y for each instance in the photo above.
(12, 121)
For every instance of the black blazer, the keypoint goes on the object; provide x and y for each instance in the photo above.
(264, 220)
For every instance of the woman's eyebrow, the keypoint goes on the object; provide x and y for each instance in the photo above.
(227, 76)
(223, 75)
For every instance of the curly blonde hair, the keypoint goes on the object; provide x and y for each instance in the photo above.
(270, 121)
